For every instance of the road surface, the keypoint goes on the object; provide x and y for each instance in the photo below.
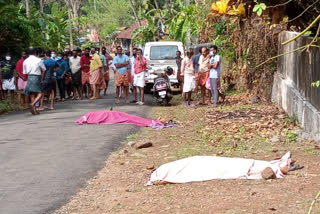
(45, 159)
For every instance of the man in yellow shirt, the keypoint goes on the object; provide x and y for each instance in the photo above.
(95, 66)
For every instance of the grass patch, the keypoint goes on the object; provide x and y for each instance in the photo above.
(290, 136)
(132, 137)
(230, 108)
(232, 92)
(311, 151)
(291, 120)
(7, 106)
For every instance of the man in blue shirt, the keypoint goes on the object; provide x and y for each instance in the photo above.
(121, 63)
(60, 76)
(49, 82)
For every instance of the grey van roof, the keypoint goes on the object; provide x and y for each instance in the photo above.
(168, 42)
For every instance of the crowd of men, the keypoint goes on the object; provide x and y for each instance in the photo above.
(80, 73)
(85, 73)
(200, 70)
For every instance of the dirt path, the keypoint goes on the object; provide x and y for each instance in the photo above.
(236, 129)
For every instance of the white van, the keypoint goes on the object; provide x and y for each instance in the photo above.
(161, 55)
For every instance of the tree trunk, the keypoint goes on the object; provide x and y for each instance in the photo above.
(188, 40)
(28, 8)
(41, 5)
(70, 30)
(73, 8)
(156, 4)
(135, 13)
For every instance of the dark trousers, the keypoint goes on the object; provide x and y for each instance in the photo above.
(61, 87)
(69, 89)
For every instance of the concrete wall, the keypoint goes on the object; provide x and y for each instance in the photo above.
(292, 88)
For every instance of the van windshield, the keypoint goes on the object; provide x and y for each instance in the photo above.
(163, 52)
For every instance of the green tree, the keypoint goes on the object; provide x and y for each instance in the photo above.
(15, 33)
(54, 27)
(108, 16)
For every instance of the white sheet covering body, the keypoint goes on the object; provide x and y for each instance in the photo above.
(204, 168)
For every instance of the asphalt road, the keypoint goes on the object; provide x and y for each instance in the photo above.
(45, 159)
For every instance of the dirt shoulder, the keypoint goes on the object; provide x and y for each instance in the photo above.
(236, 129)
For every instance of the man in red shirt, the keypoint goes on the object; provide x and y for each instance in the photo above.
(85, 72)
(22, 81)
(140, 66)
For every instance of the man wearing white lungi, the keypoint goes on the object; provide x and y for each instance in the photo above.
(187, 71)
(140, 66)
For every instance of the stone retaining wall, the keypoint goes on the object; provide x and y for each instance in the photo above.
(292, 88)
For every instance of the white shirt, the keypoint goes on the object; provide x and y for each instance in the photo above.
(33, 66)
(132, 60)
(215, 72)
(74, 64)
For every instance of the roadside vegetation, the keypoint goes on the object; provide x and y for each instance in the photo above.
(7, 106)
(236, 129)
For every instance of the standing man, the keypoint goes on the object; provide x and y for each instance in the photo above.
(107, 68)
(132, 61)
(74, 64)
(68, 75)
(85, 72)
(7, 73)
(60, 76)
(102, 82)
(187, 71)
(34, 68)
(95, 67)
(196, 69)
(203, 73)
(121, 63)
(140, 66)
(49, 82)
(214, 73)
(180, 78)
(22, 82)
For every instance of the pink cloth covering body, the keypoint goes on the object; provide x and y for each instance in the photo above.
(204, 168)
(114, 117)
